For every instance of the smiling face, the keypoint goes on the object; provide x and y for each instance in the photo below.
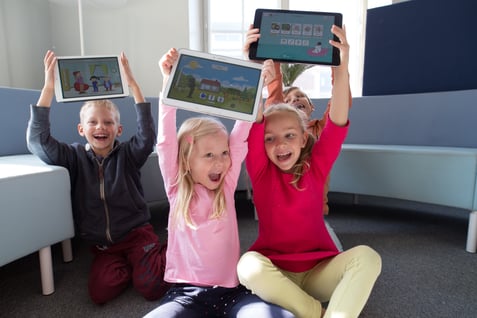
(295, 97)
(284, 139)
(210, 160)
(100, 126)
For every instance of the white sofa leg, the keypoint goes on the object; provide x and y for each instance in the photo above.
(471, 246)
(46, 270)
(67, 251)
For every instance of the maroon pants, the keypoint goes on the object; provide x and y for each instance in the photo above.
(139, 258)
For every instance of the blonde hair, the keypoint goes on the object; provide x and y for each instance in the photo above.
(106, 103)
(190, 131)
(303, 162)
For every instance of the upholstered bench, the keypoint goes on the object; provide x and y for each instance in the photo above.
(35, 212)
(443, 176)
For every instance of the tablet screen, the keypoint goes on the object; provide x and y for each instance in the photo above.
(89, 77)
(215, 85)
(296, 36)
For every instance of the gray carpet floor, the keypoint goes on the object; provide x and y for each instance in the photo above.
(426, 271)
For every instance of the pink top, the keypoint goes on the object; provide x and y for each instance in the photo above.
(292, 232)
(207, 255)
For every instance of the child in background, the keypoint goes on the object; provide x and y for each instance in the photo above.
(294, 252)
(201, 165)
(107, 196)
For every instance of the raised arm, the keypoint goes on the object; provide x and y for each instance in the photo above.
(133, 85)
(165, 64)
(252, 36)
(268, 74)
(48, 90)
(167, 144)
(167, 114)
(340, 101)
(274, 86)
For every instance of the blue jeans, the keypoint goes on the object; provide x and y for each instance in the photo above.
(189, 301)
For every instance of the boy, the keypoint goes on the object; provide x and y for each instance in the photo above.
(107, 197)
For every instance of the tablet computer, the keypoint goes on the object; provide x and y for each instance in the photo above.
(215, 85)
(296, 36)
(79, 78)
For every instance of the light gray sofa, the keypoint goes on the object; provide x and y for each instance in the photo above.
(35, 212)
(413, 149)
(445, 176)
(35, 205)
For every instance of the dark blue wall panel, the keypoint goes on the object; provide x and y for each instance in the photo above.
(421, 46)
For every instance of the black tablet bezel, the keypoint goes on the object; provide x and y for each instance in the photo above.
(335, 59)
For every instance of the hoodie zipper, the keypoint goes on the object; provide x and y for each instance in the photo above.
(103, 198)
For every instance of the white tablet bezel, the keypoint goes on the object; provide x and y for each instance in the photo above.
(211, 107)
(65, 83)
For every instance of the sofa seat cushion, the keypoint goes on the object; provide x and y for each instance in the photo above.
(35, 206)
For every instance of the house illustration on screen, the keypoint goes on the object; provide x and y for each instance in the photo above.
(210, 85)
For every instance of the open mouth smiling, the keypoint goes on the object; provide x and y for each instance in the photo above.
(298, 105)
(284, 157)
(215, 177)
(100, 137)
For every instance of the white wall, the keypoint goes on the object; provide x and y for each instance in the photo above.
(143, 29)
(4, 67)
(24, 32)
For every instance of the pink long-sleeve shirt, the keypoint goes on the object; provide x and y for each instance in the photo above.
(208, 254)
(292, 232)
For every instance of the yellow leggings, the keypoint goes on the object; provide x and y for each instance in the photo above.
(345, 280)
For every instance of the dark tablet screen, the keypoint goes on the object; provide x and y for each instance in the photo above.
(296, 36)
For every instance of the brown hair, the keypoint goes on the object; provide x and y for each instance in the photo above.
(290, 89)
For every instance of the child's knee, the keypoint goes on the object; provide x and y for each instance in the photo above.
(105, 285)
(250, 267)
(370, 259)
(148, 276)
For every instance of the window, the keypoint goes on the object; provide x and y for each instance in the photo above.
(228, 21)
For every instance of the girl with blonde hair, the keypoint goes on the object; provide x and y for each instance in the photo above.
(201, 165)
(294, 262)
